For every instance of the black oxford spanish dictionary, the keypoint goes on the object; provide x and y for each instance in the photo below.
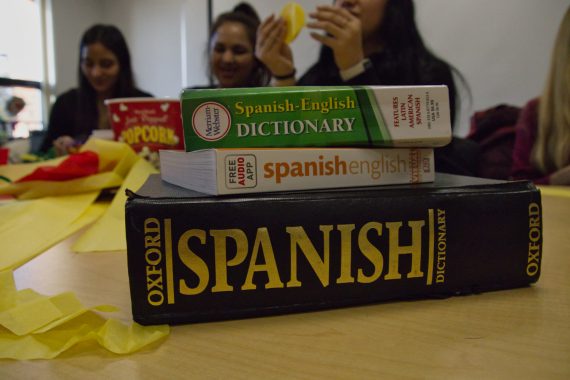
(194, 257)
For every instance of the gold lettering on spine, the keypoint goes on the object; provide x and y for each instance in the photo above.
(263, 241)
(345, 254)
(153, 259)
(395, 250)
(431, 233)
(372, 253)
(441, 261)
(168, 259)
(320, 266)
(220, 255)
(193, 262)
(534, 240)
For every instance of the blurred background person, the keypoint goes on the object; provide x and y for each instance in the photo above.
(104, 72)
(364, 42)
(232, 61)
(542, 145)
(369, 42)
(10, 107)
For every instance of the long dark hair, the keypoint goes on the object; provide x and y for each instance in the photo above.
(112, 38)
(406, 52)
(247, 16)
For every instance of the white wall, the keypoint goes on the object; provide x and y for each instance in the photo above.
(501, 47)
(70, 19)
(153, 31)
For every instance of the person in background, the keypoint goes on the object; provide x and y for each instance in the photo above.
(364, 42)
(104, 72)
(232, 61)
(9, 110)
(542, 144)
(368, 42)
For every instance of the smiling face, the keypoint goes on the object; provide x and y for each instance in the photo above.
(101, 68)
(370, 13)
(232, 58)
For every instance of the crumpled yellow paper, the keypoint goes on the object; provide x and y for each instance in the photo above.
(28, 228)
(115, 162)
(555, 191)
(54, 210)
(35, 326)
(108, 232)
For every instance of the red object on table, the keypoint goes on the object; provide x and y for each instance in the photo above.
(4, 154)
(77, 165)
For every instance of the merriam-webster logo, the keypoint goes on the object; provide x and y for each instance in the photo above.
(241, 171)
(211, 121)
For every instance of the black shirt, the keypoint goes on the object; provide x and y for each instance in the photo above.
(386, 70)
(65, 121)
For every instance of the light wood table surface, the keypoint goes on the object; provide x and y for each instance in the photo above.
(513, 334)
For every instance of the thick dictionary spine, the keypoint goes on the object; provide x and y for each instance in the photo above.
(267, 170)
(219, 258)
(369, 116)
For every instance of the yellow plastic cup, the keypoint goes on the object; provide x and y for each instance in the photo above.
(294, 17)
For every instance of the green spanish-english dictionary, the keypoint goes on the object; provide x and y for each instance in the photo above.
(363, 116)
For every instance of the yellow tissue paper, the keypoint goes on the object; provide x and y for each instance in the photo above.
(7, 290)
(555, 191)
(108, 233)
(115, 162)
(17, 171)
(27, 228)
(40, 327)
(34, 314)
(64, 207)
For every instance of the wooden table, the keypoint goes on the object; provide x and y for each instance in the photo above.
(513, 334)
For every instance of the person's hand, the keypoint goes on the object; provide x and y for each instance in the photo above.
(64, 145)
(561, 177)
(343, 34)
(271, 49)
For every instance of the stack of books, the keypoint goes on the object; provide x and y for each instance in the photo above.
(267, 139)
(304, 198)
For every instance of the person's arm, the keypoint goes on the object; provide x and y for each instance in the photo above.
(361, 74)
(342, 33)
(274, 53)
(561, 177)
(336, 28)
(60, 121)
(526, 130)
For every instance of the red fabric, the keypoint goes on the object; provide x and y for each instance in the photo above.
(77, 165)
(526, 132)
(494, 130)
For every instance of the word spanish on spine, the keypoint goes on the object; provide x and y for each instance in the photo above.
(369, 116)
(229, 171)
(194, 257)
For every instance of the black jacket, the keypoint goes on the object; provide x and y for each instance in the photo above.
(65, 121)
(386, 70)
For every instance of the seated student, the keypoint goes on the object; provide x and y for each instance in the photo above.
(542, 145)
(232, 61)
(104, 72)
(374, 42)
(367, 42)
(10, 107)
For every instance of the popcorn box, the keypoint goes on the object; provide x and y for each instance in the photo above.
(147, 124)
